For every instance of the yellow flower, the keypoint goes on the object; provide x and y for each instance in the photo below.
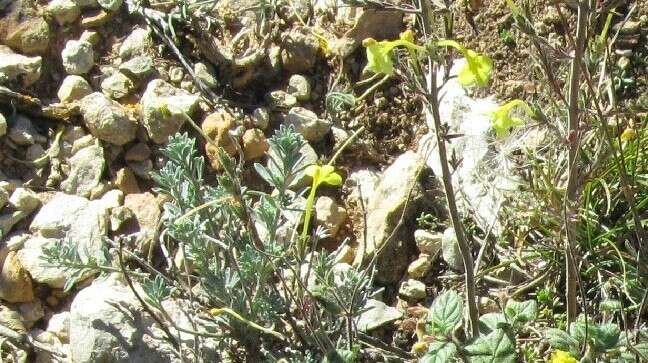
(628, 134)
(420, 348)
(379, 59)
(502, 119)
(216, 311)
(559, 356)
(478, 68)
(323, 174)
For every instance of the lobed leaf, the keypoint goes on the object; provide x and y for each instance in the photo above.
(440, 352)
(560, 339)
(445, 313)
(521, 312)
(496, 347)
(491, 321)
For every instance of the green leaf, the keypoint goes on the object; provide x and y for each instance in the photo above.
(337, 102)
(264, 173)
(440, 352)
(496, 347)
(491, 321)
(642, 348)
(605, 336)
(445, 313)
(323, 296)
(560, 339)
(610, 305)
(521, 312)
(340, 356)
(71, 281)
(578, 329)
(624, 339)
(625, 357)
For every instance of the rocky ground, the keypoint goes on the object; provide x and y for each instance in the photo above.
(90, 92)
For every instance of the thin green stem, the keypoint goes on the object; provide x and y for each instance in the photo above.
(249, 323)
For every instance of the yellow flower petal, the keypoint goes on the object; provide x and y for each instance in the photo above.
(379, 56)
(312, 170)
(502, 120)
(407, 35)
(326, 170)
(323, 174)
(559, 356)
(333, 179)
(628, 134)
(478, 68)
(216, 311)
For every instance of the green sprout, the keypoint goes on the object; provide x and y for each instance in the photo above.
(502, 119)
(506, 37)
(478, 67)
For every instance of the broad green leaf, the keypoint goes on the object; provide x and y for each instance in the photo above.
(491, 321)
(579, 329)
(605, 336)
(560, 339)
(340, 356)
(445, 313)
(503, 121)
(440, 352)
(521, 312)
(496, 347)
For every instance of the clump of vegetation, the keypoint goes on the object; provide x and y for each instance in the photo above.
(575, 232)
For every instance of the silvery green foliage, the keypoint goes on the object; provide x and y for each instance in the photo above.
(156, 291)
(229, 235)
(211, 222)
(65, 254)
